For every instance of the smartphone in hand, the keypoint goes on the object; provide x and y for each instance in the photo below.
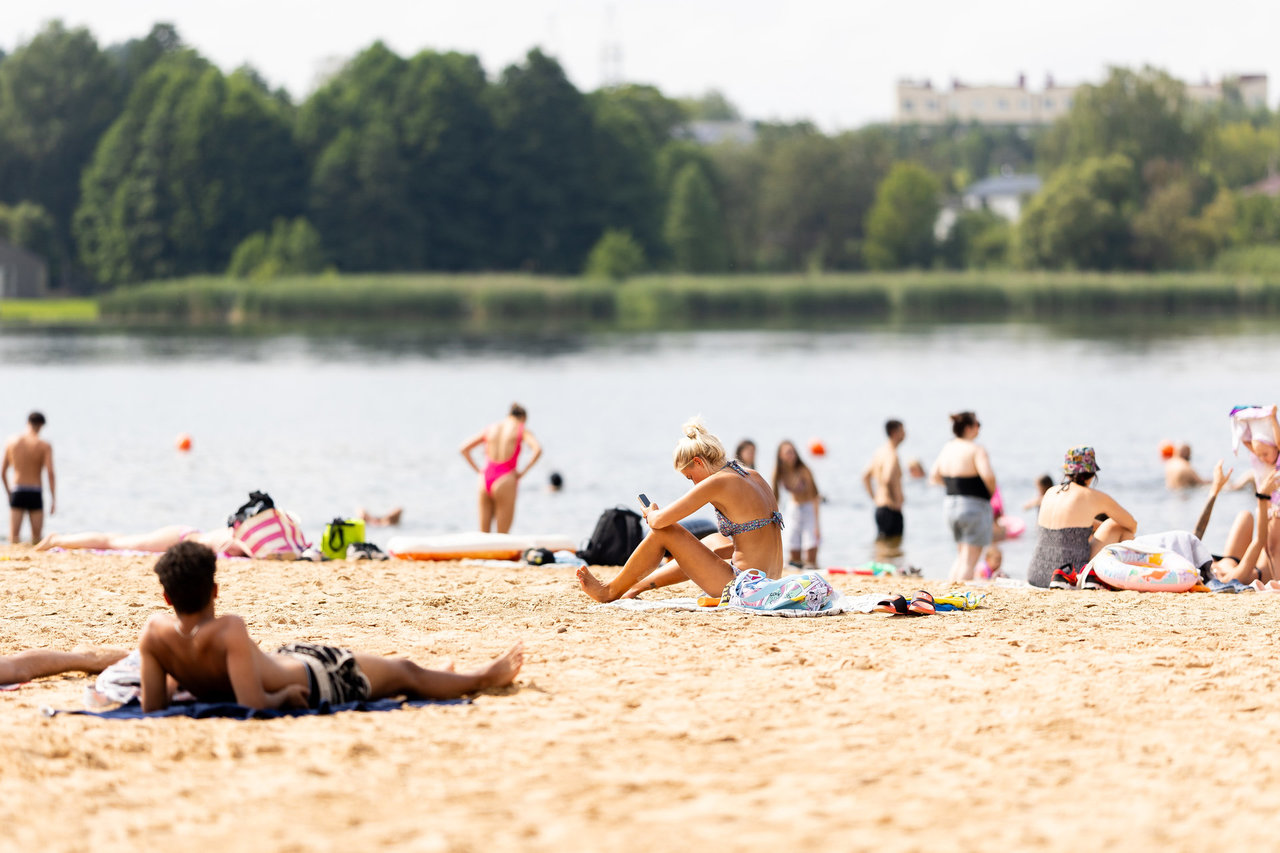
(644, 501)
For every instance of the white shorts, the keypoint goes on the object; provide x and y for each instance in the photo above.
(801, 521)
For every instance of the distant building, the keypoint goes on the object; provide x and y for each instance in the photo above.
(714, 132)
(1268, 186)
(22, 274)
(919, 103)
(1003, 195)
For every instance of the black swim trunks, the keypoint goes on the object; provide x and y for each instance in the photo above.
(333, 674)
(888, 523)
(26, 497)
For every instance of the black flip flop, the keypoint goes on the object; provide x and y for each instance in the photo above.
(895, 604)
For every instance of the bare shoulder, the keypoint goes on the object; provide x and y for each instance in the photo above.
(157, 628)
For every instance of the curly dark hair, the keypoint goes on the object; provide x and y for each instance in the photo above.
(186, 573)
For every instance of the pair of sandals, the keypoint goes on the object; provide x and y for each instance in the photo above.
(921, 604)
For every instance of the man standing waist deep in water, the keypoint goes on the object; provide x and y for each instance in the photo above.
(29, 456)
(883, 479)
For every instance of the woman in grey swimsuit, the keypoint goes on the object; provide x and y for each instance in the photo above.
(1069, 534)
(734, 492)
(965, 469)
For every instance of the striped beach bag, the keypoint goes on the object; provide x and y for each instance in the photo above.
(271, 535)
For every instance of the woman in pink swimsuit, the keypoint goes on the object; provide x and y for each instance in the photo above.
(499, 477)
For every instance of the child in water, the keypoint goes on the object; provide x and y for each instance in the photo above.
(992, 560)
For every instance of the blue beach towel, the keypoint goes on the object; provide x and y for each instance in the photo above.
(231, 711)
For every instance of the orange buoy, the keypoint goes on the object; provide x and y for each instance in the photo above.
(1166, 450)
(817, 448)
(183, 443)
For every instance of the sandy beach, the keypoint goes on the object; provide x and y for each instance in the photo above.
(1041, 721)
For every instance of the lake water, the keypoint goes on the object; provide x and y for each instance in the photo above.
(328, 423)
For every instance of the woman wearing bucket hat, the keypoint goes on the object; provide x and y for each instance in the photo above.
(1070, 534)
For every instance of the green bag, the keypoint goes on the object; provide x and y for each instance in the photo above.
(340, 533)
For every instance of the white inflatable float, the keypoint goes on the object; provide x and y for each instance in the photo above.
(1128, 566)
(474, 546)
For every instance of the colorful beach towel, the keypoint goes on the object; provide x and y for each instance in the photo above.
(839, 604)
(231, 711)
(754, 590)
(13, 686)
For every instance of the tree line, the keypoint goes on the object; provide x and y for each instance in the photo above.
(143, 160)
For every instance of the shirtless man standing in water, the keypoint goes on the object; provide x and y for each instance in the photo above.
(883, 479)
(29, 456)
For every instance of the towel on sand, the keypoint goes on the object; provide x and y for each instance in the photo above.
(230, 711)
(12, 686)
(839, 604)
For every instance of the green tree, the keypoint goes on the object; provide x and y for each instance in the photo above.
(1240, 153)
(616, 256)
(977, 239)
(58, 93)
(738, 171)
(1257, 220)
(548, 204)
(30, 226)
(1141, 114)
(710, 106)
(291, 248)
(196, 161)
(815, 195)
(1080, 219)
(694, 229)
(901, 222)
(658, 115)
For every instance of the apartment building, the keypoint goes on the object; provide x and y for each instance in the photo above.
(918, 102)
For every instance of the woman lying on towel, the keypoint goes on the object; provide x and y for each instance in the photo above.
(1256, 564)
(734, 492)
(222, 541)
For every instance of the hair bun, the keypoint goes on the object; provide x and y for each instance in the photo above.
(693, 426)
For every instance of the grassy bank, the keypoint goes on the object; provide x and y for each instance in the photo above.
(482, 302)
(48, 312)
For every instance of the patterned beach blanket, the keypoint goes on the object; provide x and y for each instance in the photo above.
(839, 604)
(230, 711)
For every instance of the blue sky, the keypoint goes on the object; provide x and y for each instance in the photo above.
(830, 61)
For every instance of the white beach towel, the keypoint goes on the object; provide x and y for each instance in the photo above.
(840, 604)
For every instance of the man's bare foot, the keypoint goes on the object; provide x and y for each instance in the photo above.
(593, 587)
(503, 670)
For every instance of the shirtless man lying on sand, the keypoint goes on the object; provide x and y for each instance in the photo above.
(215, 659)
(41, 663)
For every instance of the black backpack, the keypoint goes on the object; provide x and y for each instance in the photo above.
(617, 534)
(258, 502)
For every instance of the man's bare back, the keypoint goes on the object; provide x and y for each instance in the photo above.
(28, 454)
(211, 660)
(214, 658)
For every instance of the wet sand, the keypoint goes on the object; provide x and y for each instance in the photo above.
(1044, 721)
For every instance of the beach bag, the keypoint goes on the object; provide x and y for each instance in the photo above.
(617, 534)
(258, 502)
(753, 589)
(338, 535)
(271, 535)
